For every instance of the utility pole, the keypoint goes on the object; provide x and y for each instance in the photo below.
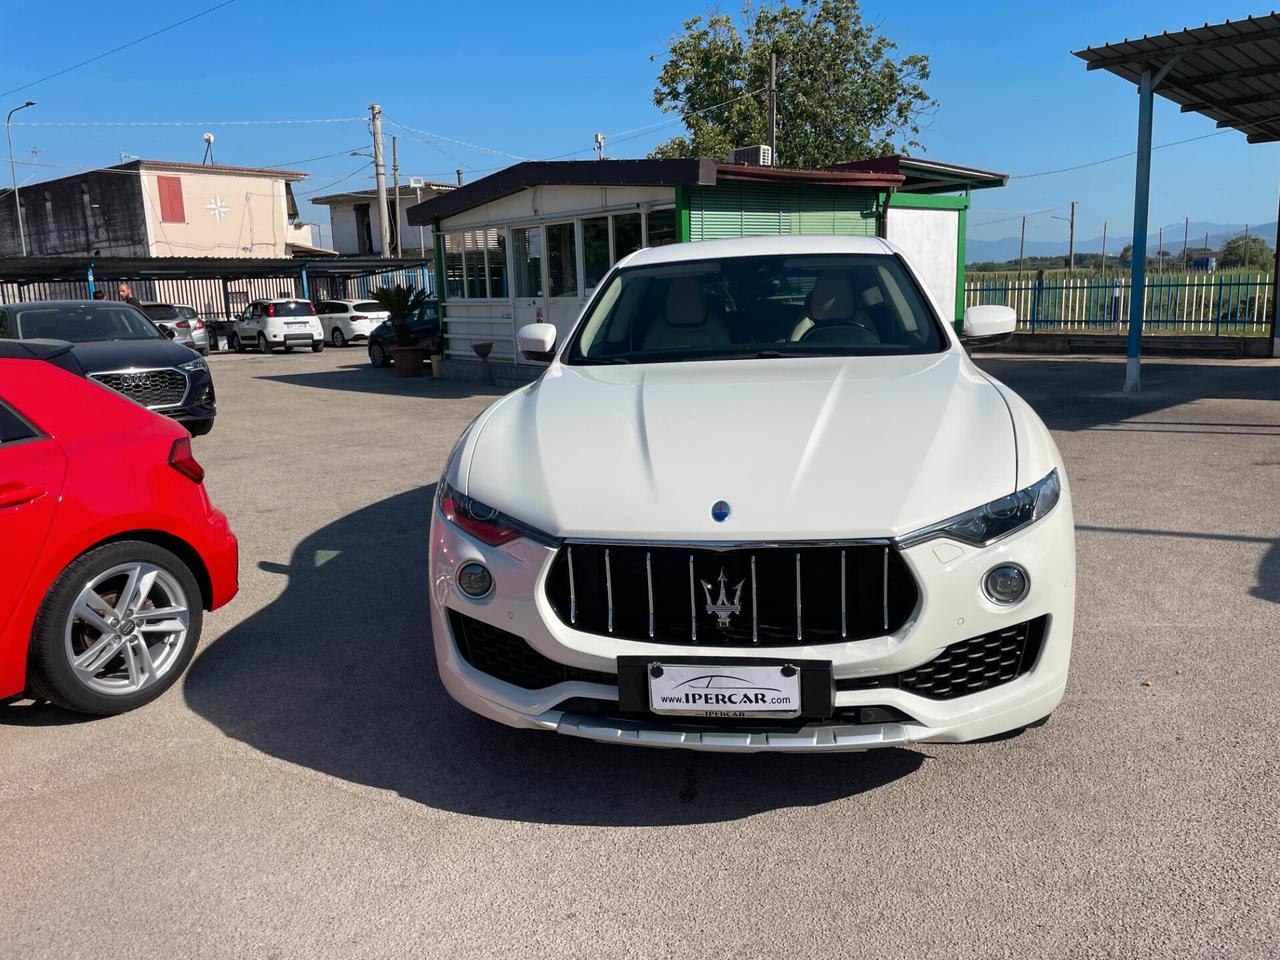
(1104, 248)
(13, 173)
(1246, 246)
(1186, 227)
(1071, 242)
(395, 186)
(1159, 249)
(458, 173)
(1022, 245)
(773, 108)
(380, 175)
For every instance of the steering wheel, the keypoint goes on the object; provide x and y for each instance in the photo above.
(863, 333)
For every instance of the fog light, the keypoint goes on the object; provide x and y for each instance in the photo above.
(1007, 583)
(475, 580)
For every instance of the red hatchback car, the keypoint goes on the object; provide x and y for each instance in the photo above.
(112, 549)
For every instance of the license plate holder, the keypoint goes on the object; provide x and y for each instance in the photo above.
(813, 681)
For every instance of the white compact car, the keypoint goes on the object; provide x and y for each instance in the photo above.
(346, 321)
(267, 324)
(761, 499)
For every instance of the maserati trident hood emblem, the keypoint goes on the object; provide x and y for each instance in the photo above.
(721, 606)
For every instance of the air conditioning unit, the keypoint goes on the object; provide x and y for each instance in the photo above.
(761, 155)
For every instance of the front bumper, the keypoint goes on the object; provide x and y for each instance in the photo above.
(951, 608)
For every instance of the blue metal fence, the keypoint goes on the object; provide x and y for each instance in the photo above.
(1206, 304)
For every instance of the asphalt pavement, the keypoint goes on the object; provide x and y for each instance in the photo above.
(309, 790)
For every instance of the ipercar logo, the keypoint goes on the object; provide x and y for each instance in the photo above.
(722, 689)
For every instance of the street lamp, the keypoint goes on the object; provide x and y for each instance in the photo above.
(13, 172)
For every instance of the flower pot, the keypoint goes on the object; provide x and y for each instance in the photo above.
(409, 361)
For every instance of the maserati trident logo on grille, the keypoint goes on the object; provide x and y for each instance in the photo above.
(720, 511)
(721, 606)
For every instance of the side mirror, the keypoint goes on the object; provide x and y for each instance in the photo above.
(537, 341)
(169, 332)
(988, 323)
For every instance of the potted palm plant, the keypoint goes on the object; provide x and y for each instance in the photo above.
(400, 302)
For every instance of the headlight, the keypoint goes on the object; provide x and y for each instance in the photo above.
(997, 519)
(484, 522)
(191, 366)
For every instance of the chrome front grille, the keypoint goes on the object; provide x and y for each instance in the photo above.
(164, 387)
(765, 596)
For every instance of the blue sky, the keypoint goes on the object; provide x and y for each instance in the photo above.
(537, 80)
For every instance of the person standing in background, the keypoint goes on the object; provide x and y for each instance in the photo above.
(126, 294)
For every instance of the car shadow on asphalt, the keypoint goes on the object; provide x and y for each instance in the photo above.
(337, 675)
(1081, 393)
(366, 378)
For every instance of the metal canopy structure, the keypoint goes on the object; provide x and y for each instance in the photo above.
(1229, 72)
(52, 269)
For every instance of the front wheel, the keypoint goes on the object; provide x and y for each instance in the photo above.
(378, 355)
(317, 346)
(117, 628)
(339, 338)
(233, 343)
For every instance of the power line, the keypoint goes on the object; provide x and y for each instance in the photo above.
(183, 123)
(334, 183)
(460, 143)
(1032, 213)
(123, 46)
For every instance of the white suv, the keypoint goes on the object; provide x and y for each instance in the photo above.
(349, 320)
(268, 324)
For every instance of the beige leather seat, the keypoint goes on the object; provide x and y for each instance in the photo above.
(830, 301)
(687, 321)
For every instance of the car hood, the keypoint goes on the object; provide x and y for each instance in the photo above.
(799, 448)
(97, 356)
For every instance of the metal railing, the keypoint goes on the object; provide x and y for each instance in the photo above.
(1233, 304)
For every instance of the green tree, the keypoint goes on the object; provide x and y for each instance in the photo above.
(841, 93)
(1245, 251)
(399, 301)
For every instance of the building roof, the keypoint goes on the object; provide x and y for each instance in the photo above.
(180, 167)
(1225, 71)
(350, 196)
(702, 171)
(929, 176)
(47, 269)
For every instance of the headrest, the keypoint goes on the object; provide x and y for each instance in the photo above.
(685, 306)
(831, 297)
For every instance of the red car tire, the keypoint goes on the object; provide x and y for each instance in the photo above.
(139, 658)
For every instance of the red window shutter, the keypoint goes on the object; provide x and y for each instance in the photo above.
(171, 209)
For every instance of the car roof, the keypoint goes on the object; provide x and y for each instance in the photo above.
(166, 303)
(755, 247)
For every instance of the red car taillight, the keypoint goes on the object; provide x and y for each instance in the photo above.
(358, 316)
(199, 324)
(182, 325)
(184, 461)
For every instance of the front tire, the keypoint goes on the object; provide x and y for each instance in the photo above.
(339, 338)
(378, 355)
(233, 343)
(116, 630)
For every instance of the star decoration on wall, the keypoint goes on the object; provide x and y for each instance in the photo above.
(217, 208)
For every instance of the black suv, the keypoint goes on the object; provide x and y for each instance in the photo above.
(424, 330)
(118, 346)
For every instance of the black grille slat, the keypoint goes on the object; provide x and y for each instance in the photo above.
(822, 597)
(970, 666)
(508, 658)
(151, 388)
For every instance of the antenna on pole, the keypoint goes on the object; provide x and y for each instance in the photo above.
(208, 150)
(600, 139)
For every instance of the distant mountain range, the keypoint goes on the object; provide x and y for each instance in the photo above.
(1006, 248)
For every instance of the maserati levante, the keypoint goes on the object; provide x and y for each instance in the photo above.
(759, 499)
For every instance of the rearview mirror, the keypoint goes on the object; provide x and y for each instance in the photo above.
(169, 332)
(988, 323)
(537, 341)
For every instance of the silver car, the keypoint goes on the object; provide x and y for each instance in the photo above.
(187, 327)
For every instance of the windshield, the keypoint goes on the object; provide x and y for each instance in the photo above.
(84, 321)
(767, 306)
(161, 311)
